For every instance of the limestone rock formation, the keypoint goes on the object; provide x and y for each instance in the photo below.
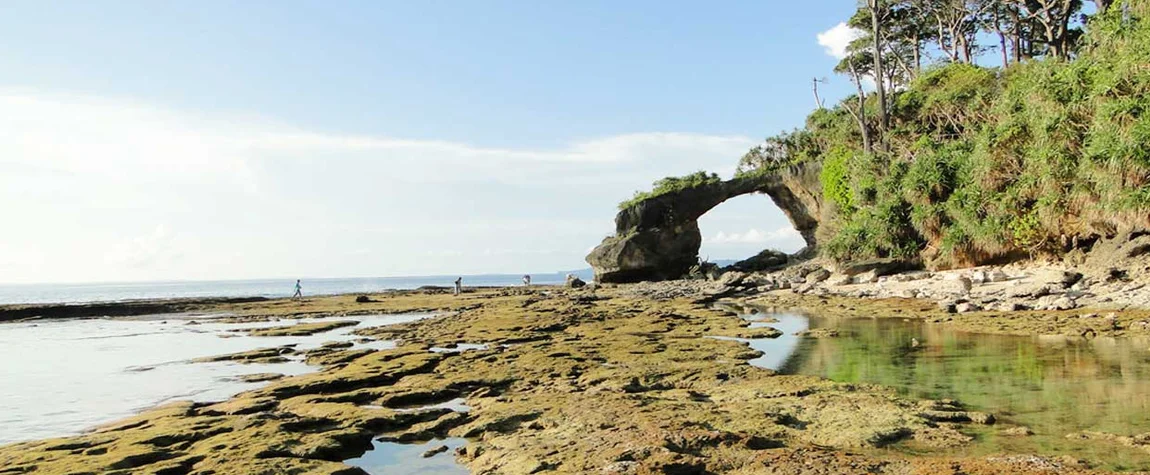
(658, 238)
(769, 259)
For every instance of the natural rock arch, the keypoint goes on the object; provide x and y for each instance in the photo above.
(658, 238)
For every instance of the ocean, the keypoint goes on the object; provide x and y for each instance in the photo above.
(271, 288)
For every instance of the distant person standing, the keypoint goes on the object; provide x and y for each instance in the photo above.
(526, 279)
(298, 291)
(458, 285)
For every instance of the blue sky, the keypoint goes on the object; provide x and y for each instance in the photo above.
(198, 140)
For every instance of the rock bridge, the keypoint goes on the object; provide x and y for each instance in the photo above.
(658, 238)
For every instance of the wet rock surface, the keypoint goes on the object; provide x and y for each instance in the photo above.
(567, 383)
(302, 329)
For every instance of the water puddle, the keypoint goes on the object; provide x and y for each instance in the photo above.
(1053, 385)
(460, 348)
(426, 458)
(78, 373)
(458, 405)
(775, 350)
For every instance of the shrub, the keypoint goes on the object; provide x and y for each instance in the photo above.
(672, 184)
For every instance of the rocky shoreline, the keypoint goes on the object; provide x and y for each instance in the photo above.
(1031, 298)
(18, 312)
(615, 379)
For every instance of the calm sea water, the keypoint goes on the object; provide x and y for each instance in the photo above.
(110, 292)
(91, 371)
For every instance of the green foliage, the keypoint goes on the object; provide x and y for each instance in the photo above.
(672, 184)
(836, 188)
(1026, 229)
(981, 163)
(778, 152)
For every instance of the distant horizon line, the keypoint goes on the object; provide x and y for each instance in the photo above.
(256, 279)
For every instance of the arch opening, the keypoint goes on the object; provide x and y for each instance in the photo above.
(743, 227)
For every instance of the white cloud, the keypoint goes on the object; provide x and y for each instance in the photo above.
(84, 179)
(755, 236)
(836, 40)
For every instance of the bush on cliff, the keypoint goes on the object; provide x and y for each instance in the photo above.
(672, 184)
(981, 164)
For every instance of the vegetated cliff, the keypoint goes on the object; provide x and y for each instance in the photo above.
(978, 165)
(657, 234)
(982, 165)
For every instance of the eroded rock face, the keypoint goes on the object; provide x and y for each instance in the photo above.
(769, 259)
(659, 238)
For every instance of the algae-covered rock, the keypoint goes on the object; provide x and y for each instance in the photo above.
(581, 386)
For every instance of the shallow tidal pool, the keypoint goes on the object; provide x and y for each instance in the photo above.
(391, 458)
(1054, 385)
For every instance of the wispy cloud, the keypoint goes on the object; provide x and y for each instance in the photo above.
(251, 196)
(124, 139)
(755, 236)
(836, 40)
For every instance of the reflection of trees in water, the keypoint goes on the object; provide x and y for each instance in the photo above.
(1053, 384)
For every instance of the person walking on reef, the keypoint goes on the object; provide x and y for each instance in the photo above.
(298, 291)
(526, 280)
(458, 285)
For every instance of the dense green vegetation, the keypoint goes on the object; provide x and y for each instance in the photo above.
(962, 164)
(672, 184)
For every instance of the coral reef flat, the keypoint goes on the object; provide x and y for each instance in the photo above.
(609, 379)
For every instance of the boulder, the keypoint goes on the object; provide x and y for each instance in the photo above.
(760, 280)
(979, 277)
(880, 266)
(1010, 307)
(911, 276)
(574, 282)
(997, 275)
(1061, 278)
(818, 276)
(840, 280)
(1030, 289)
(656, 254)
(966, 307)
(960, 284)
(1064, 303)
(1123, 246)
(1055, 302)
(731, 278)
(868, 277)
(767, 260)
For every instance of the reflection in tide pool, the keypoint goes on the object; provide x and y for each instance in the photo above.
(392, 458)
(1054, 385)
(776, 351)
(60, 377)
